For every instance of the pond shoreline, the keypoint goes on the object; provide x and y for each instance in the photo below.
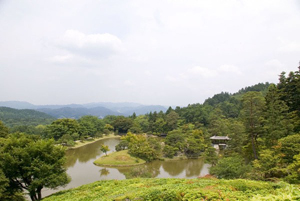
(93, 141)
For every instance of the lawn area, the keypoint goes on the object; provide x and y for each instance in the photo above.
(120, 158)
(180, 189)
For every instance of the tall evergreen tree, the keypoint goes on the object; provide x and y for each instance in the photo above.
(277, 119)
(252, 113)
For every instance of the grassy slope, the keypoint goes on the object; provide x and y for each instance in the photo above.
(120, 158)
(179, 189)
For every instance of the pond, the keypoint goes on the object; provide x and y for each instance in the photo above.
(82, 171)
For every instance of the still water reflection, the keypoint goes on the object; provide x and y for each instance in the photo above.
(81, 169)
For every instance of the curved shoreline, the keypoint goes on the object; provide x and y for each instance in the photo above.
(95, 140)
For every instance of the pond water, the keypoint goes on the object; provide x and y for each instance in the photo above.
(82, 171)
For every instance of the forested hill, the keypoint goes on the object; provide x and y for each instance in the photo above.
(224, 96)
(13, 117)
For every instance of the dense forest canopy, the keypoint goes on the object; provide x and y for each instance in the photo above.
(262, 122)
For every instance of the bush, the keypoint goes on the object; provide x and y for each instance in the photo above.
(230, 168)
(170, 151)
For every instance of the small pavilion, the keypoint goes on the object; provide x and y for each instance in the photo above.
(219, 142)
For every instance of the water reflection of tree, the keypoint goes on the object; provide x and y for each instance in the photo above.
(194, 167)
(104, 172)
(174, 168)
(148, 170)
(71, 158)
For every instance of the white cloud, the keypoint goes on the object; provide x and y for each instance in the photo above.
(90, 45)
(274, 64)
(289, 46)
(230, 69)
(171, 78)
(129, 83)
(62, 58)
(204, 72)
(148, 73)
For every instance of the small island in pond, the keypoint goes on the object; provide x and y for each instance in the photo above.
(120, 158)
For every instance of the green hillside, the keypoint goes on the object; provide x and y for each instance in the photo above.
(179, 189)
(13, 117)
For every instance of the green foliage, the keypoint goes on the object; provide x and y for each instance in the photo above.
(252, 115)
(230, 168)
(176, 139)
(218, 98)
(13, 117)
(3, 130)
(104, 149)
(260, 87)
(61, 127)
(194, 144)
(3, 185)
(179, 189)
(122, 124)
(290, 91)
(143, 147)
(123, 145)
(171, 120)
(211, 156)
(269, 165)
(32, 164)
(294, 171)
(90, 126)
(170, 151)
(290, 146)
(278, 122)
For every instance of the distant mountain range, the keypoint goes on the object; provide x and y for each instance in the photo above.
(77, 110)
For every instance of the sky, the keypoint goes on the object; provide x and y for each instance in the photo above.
(158, 52)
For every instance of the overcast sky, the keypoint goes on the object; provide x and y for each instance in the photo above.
(163, 52)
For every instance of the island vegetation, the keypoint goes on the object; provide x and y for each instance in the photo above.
(261, 121)
(117, 159)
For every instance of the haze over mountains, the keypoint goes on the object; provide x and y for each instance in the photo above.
(77, 110)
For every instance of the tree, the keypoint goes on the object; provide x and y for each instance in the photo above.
(3, 130)
(61, 127)
(122, 145)
(277, 122)
(170, 151)
(122, 124)
(269, 165)
(230, 168)
(194, 144)
(104, 149)
(3, 185)
(289, 88)
(252, 114)
(90, 125)
(211, 155)
(31, 163)
(171, 120)
(142, 122)
(238, 137)
(175, 139)
(290, 146)
(294, 171)
(142, 147)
